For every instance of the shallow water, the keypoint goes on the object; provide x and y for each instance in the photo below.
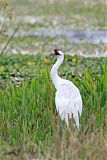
(53, 28)
(86, 36)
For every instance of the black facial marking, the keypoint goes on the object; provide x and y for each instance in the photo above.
(56, 51)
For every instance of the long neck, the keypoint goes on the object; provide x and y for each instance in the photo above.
(54, 75)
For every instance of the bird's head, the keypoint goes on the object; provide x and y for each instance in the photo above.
(58, 52)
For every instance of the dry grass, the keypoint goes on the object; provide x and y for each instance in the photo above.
(66, 146)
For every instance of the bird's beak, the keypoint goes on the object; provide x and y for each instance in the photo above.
(51, 54)
(55, 52)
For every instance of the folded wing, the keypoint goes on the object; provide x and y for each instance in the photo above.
(68, 102)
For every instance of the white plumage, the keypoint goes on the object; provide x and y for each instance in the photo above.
(67, 98)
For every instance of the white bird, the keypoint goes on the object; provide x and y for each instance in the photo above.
(67, 98)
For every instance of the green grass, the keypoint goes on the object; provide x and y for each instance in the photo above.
(29, 124)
